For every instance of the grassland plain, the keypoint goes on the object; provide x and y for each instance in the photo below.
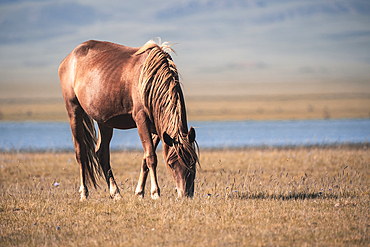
(312, 196)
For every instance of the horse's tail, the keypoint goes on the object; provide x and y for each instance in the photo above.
(92, 168)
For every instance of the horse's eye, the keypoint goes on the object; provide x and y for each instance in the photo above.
(171, 166)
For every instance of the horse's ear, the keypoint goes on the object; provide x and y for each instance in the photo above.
(191, 135)
(167, 139)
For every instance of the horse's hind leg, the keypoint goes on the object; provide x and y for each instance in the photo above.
(75, 114)
(103, 152)
(140, 189)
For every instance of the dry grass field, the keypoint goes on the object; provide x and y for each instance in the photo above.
(314, 196)
(246, 107)
(215, 101)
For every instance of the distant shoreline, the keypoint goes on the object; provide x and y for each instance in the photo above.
(343, 146)
(218, 107)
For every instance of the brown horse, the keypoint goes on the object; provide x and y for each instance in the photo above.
(123, 87)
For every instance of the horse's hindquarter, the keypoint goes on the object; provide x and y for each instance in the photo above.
(106, 82)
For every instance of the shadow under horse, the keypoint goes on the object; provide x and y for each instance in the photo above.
(124, 87)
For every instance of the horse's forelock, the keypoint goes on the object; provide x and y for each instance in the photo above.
(185, 154)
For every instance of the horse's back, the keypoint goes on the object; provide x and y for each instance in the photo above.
(94, 47)
(93, 51)
(101, 74)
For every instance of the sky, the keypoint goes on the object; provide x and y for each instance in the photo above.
(220, 42)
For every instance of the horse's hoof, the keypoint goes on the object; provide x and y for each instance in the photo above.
(116, 197)
(83, 199)
(140, 195)
(155, 196)
(84, 196)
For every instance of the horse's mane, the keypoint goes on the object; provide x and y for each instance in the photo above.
(162, 96)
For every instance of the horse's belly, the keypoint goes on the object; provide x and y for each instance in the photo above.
(124, 121)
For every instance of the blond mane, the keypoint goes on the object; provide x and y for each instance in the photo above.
(162, 96)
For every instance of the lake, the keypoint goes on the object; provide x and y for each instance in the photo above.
(54, 136)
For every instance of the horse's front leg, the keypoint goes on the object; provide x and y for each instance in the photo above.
(140, 189)
(150, 157)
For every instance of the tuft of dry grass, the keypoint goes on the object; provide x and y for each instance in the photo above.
(249, 197)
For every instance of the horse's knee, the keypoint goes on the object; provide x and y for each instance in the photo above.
(151, 161)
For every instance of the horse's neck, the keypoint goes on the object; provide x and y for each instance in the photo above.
(163, 125)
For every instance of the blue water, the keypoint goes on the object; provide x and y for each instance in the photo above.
(43, 136)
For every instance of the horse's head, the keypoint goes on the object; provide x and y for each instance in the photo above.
(182, 159)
